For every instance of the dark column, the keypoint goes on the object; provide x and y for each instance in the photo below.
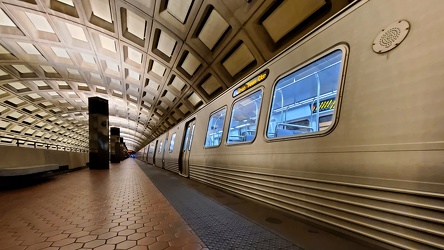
(98, 133)
(121, 152)
(124, 149)
(115, 144)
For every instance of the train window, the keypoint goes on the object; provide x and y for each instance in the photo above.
(243, 122)
(305, 100)
(173, 137)
(160, 148)
(186, 139)
(191, 138)
(215, 128)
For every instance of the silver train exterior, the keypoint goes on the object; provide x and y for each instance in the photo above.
(374, 167)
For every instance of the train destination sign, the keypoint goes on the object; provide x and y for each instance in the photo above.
(255, 80)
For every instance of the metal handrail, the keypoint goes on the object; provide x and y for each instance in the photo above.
(291, 125)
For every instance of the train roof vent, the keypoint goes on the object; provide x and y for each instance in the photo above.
(390, 37)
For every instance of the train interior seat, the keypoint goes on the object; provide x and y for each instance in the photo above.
(286, 132)
(248, 137)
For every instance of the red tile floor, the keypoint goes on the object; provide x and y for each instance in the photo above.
(118, 208)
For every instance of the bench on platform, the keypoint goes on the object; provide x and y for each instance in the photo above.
(27, 170)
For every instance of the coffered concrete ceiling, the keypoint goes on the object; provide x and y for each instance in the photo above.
(156, 62)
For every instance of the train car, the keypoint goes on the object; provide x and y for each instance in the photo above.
(161, 144)
(142, 153)
(338, 128)
(151, 152)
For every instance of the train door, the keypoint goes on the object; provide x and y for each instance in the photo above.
(186, 148)
(163, 150)
(154, 153)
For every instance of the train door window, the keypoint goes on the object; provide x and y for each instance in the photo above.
(305, 100)
(243, 122)
(160, 147)
(186, 139)
(166, 145)
(173, 137)
(191, 137)
(215, 128)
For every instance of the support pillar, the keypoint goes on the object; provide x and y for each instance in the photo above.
(115, 144)
(98, 133)
(124, 150)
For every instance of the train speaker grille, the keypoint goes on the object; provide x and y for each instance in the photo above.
(390, 37)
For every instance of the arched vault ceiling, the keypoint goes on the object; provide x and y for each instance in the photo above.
(156, 62)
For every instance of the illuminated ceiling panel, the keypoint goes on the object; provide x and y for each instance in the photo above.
(22, 68)
(76, 32)
(238, 60)
(48, 69)
(40, 83)
(158, 69)
(95, 75)
(88, 58)
(29, 48)
(213, 29)
(289, 15)
(17, 85)
(184, 109)
(211, 85)
(170, 96)
(5, 20)
(16, 101)
(30, 108)
(178, 84)
(179, 9)
(194, 99)
(29, 120)
(3, 50)
(190, 64)
(136, 24)
(34, 96)
(153, 85)
(40, 22)
(73, 71)
(101, 9)
(166, 44)
(3, 124)
(107, 43)
(133, 74)
(60, 52)
(67, 2)
(134, 55)
(15, 115)
(112, 66)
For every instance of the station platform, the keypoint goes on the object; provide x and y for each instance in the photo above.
(134, 205)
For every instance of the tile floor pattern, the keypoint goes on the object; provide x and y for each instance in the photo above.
(93, 209)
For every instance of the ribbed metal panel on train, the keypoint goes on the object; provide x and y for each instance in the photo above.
(391, 216)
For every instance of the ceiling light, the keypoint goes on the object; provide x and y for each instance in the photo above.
(40, 22)
(5, 20)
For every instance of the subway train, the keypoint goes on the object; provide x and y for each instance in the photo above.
(343, 128)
